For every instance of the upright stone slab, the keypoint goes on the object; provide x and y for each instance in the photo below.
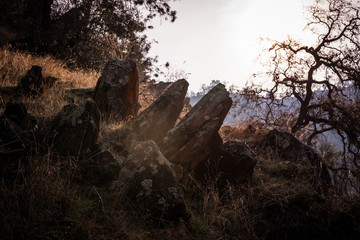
(155, 121)
(193, 139)
(117, 90)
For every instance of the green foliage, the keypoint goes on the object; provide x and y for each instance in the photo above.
(84, 33)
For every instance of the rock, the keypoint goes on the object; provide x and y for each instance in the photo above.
(240, 166)
(150, 91)
(17, 113)
(33, 83)
(234, 162)
(117, 90)
(75, 129)
(193, 139)
(151, 183)
(99, 169)
(155, 121)
(16, 122)
(283, 145)
(16, 140)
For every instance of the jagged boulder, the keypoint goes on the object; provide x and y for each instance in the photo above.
(193, 139)
(230, 162)
(151, 183)
(155, 121)
(16, 139)
(283, 145)
(15, 125)
(240, 165)
(75, 129)
(117, 90)
(33, 82)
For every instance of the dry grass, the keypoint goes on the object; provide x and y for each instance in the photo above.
(44, 202)
(47, 205)
(273, 205)
(14, 64)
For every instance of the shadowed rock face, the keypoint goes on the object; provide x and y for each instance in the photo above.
(239, 166)
(100, 168)
(151, 183)
(155, 121)
(232, 162)
(17, 139)
(75, 129)
(192, 140)
(117, 90)
(285, 146)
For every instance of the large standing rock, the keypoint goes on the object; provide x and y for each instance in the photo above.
(151, 182)
(285, 146)
(75, 129)
(194, 138)
(155, 121)
(117, 90)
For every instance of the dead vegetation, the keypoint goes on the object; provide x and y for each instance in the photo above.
(43, 202)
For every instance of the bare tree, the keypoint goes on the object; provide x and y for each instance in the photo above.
(323, 78)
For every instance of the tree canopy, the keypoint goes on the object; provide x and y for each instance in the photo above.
(84, 32)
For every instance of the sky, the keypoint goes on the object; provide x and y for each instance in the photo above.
(219, 39)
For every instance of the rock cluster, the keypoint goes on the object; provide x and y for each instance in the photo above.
(194, 138)
(151, 143)
(155, 121)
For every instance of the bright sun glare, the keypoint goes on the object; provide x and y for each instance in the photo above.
(220, 39)
(276, 20)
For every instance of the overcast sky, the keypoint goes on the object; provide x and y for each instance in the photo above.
(219, 39)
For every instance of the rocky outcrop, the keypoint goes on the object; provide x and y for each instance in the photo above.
(155, 121)
(75, 129)
(33, 82)
(117, 90)
(195, 137)
(151, 183)
(283, 145)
